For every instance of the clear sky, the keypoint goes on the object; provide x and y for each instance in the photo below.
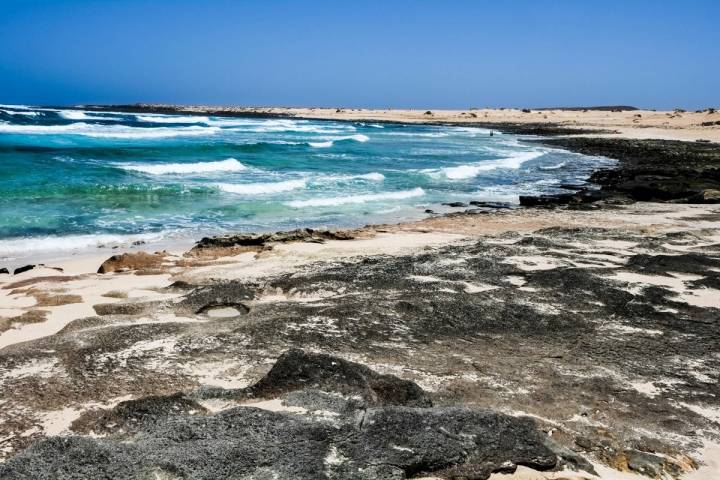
(384, 53)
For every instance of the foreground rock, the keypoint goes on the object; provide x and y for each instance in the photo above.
(297, 370)
(174, 437)
(607, 337)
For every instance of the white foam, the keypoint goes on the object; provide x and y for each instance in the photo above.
(228, 165)
(262, 188)
(78, 115)
(172, 119)
(16, 107)
(282, 125)
(107, 131)
(373, 197)
(327, 144)
(554, 167)
(359, 137)
(374, 176)
(20, 246)
(462, 172)
(24, 112)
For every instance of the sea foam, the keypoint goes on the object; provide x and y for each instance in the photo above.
(462, 172)
(107, 131)
(78, 115)
(373, 197)
(172, 119)
(553, 167)
(228, 165)
(329, 143)
(27, 113)
(19, 246)
(262, 188)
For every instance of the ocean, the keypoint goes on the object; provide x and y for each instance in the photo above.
(77, 179)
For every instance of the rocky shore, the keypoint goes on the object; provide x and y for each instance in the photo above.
(576, 340)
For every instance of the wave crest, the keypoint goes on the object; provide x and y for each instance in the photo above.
(359, 137)
(106, 131)
(462, 172)
(172, 119)
(228, 165)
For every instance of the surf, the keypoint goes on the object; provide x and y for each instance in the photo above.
(228, 165)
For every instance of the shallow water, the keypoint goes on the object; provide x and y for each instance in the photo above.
(73, 179)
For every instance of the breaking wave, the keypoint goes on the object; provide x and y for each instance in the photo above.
(106, 131)
(329, 143)
(229, 165)
(172, 119)
(462, 172)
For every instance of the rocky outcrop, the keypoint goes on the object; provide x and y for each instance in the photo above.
(298, 370)
(132, 261)
(266, 239)
(580, 197)
(23, 269)
(400, 437)
(653, 170)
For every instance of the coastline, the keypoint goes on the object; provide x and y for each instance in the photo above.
(610, 122)
(524, 257)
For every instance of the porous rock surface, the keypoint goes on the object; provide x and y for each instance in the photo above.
(392, 433)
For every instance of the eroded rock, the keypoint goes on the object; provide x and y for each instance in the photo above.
(132, 261)
(175, 437)
(300, 370)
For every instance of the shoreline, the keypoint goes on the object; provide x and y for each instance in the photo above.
(617, 185)
(679, 125)
(595, 317)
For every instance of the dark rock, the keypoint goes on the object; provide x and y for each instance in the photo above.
(645, 463)
(298, 370)
(25, 268)
(455, 204)
(174, 436)
(691, 263)
(128, 307)
(133, 415)
(224, 294)
(577, 198)
(652, 170)
(263, 239)
(476, 203)
(4, 271)
(384, 443)
(239, 307)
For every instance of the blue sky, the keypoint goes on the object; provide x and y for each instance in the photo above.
(384, 53)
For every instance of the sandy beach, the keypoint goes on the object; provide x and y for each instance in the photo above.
(619, 123)
(596, 319)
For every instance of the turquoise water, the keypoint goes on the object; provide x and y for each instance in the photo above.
(72, 179)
